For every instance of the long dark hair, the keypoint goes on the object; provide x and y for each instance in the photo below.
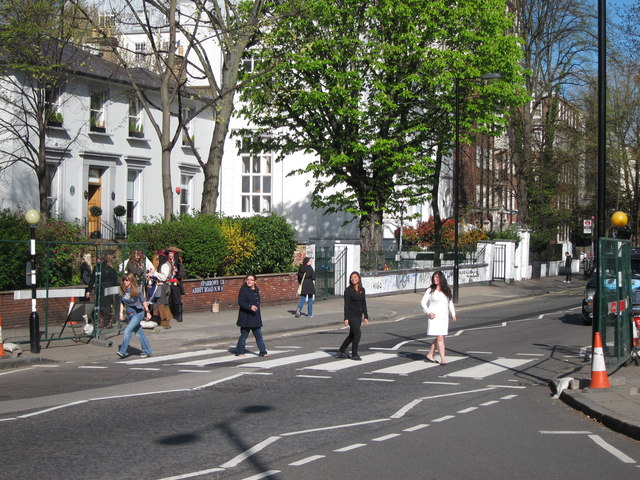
(356, 286)
(444, 286)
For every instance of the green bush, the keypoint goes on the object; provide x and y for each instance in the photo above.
(275, 244)
(200, 237)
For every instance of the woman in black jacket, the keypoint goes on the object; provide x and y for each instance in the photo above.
(249, 316)
(355, 310)
(306, 279)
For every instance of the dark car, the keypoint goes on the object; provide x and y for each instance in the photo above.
(590, 289)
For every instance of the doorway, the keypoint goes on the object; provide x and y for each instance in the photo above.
(94, 203)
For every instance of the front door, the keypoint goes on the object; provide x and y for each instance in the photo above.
(94, 199)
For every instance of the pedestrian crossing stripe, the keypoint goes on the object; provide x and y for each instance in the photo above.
(406, 367)
(490, 367)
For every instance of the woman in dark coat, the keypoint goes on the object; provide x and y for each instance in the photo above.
(306, 278)
(249, 316)
(355, 313)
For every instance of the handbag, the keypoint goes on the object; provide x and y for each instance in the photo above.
(299, 291)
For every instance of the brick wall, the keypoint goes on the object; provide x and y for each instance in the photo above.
(199, 295)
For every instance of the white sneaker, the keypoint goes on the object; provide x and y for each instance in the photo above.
(297, 313)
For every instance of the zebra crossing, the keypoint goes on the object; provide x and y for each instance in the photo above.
(323, 361)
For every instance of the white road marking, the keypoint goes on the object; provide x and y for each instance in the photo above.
(146, 369)
(266, 474)
(350, 447)
(376, 379)
(93, 367)
(304, 461)
(246, 454)
(173, 356)
(489, 368)
(413, 366)
(348, 363)
(611, 449)
(491, 402)
(193, 474)
(415, 402)
(416, 427)
(441, 383)
(224, 359)
(442, 419)
(313, 376)
(467, 410)
(334, 427)
(565, 432)
(278, 362)
(385, 437)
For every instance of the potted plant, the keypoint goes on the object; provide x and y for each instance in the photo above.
(119, 210)
(55, 119)
(95, 211)
(135, 129)
(96, 125)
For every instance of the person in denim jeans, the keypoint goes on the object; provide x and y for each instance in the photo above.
(249, 316)
(306, 277)
(136, 306)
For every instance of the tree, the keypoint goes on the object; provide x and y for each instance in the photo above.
(369, 88)
(558, 46)
(36, 38)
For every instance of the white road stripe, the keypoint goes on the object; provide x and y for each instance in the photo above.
(173, 356)
(416, 427)
(385, 437)
(442, 419)
(348, 363)
(246, 454)
(193, 474)
(313, 376)
(350, 447)
(304, 461)
(93, 367)
(224, 359)
(277, 362)
(413, 366)
(624, 458)
(467, 410)
(377, 379)
(268, 473)
(489, 368)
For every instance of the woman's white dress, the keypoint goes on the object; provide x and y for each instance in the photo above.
(437, 303)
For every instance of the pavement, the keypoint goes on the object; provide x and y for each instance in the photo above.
(617, 407)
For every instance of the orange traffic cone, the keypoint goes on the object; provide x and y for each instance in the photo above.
(1, 343)
(599, 377)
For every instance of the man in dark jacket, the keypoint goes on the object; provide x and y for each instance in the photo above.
(567, 267)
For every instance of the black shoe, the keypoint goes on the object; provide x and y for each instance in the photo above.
(342, 355)
(355, 357)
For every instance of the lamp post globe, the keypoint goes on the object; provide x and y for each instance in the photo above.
(619, 219)
(32, 217)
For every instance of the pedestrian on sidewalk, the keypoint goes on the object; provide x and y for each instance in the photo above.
(174, 282)
(307, 288)
(437, 303)
(568, 260)
(134, 303)
(355, 313)
(160, 292)
(250, 316)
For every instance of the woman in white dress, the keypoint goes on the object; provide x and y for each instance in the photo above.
(438, 305)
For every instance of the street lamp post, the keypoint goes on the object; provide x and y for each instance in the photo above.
(33, 218)
(456, 183)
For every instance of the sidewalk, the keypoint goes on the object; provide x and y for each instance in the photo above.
(617, 407)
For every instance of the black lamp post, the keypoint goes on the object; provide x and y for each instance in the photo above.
(456, 183)
(33, 218)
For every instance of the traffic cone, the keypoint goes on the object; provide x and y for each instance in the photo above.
(599, 377)
(1, 342)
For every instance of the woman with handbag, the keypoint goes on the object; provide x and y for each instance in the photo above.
(306, 287)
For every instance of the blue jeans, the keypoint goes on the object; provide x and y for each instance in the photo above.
(134, 327)
(309, 300)
(244, 333)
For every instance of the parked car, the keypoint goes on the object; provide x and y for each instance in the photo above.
(590, 290)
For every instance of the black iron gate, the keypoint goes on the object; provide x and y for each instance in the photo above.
(331, 274)
(499, 262)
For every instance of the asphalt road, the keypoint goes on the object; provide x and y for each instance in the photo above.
(301, 414)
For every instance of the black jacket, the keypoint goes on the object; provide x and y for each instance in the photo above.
(308, 286)
(355, 304)
(246, 317)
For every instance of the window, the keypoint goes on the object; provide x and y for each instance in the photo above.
(97, 110)
(106, 19)
(140, 49)
(188, 130)
(133, 195)
(135, 118)
(248, 64)
(186, 182)
(52, 106)
(256, 181)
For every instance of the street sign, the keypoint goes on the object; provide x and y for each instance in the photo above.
(587, 225)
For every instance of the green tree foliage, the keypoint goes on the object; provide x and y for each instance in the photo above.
(368, 87)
